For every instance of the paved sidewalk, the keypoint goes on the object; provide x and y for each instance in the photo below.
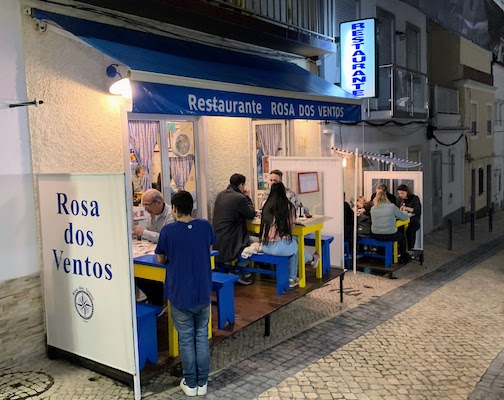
(372, 304)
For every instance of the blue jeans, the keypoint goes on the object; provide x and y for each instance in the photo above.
(286, 247)
(192, 328)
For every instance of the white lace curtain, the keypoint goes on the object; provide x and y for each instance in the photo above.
(180, 168)
(142, 135)
(270, 138)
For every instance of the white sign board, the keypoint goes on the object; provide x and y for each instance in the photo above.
(86, 268)
(358, 58)
(332, 189)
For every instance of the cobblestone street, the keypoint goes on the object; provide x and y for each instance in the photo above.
(435, 332)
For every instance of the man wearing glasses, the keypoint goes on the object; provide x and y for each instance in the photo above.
(160, 215)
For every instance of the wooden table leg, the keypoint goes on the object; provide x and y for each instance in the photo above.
(301, 263)
(318, 249)
(173, 349)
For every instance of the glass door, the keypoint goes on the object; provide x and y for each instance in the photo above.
(173, 161)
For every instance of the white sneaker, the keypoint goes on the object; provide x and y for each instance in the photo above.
(189, 391)
(293, 282)
(315, 261)
(202, 390)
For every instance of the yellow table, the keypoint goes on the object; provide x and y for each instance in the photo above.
(302, 228)
(399, 223)
(146, 267)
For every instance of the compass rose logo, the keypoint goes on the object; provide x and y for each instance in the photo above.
(83, 301)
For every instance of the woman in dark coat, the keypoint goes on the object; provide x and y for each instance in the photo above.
(410, 203)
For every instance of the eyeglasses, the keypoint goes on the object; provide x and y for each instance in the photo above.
(149, 204)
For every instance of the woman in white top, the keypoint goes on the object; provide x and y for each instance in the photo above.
(277, 220)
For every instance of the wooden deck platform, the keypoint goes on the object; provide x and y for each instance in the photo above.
(252, 303)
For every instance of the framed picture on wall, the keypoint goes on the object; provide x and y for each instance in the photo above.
(308, 182)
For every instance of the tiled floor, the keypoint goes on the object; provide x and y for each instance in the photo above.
(436, 332)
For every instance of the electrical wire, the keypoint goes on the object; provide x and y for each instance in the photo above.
(448, 144)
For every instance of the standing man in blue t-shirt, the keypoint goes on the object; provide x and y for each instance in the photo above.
(184, 247)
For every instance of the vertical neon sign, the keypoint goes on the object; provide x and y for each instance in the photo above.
(358, 64)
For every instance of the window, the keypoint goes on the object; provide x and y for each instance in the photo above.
(346, 10)
(451, 165)
(474, 119)
(481, 176)
(412, 47)
(386, 36)
(415, 155)
(489, 120)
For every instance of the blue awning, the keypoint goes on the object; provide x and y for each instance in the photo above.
(172, 76)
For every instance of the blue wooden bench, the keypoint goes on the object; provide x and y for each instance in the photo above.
(147, 333)
(281, 271)
(388, 257)
(223, 286)
(326, 249)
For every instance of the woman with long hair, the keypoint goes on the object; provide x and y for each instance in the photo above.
(277, 220)
(410, 203)
(383, 223)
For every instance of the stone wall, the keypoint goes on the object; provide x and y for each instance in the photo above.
(22, 333)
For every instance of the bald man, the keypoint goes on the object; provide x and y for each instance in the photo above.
(160, 215)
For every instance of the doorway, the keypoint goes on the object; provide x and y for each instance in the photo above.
(437, 189)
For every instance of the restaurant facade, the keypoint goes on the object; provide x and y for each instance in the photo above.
(82, 130)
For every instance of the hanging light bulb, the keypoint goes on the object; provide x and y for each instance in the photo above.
(122, 87)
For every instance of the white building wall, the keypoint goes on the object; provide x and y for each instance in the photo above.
(21, 308)
(498, 74)
(18, 243)
(403, 14)
(452, 191)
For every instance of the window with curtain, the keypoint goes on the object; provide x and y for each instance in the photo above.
(143, 137)
(268, 143)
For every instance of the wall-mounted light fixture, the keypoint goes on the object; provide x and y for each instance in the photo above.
(122, 86)
(344, 162)
(401, 35)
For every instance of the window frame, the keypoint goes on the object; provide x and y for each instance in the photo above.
(489, 119)
(473, 129)
(481, 181)
(451, 165)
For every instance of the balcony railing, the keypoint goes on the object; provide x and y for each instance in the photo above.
(402, 94)
(303, 15)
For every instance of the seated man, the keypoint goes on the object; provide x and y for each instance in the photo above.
(383, 188)
(233, 207)
(276, 176)
(160, 215)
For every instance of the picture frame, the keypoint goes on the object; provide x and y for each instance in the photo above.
(308, 182)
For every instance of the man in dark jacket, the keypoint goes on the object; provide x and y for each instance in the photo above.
(383, 188)
(233, 207)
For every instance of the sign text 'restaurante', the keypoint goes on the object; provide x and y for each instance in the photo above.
(358, 59)
(276, 108)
